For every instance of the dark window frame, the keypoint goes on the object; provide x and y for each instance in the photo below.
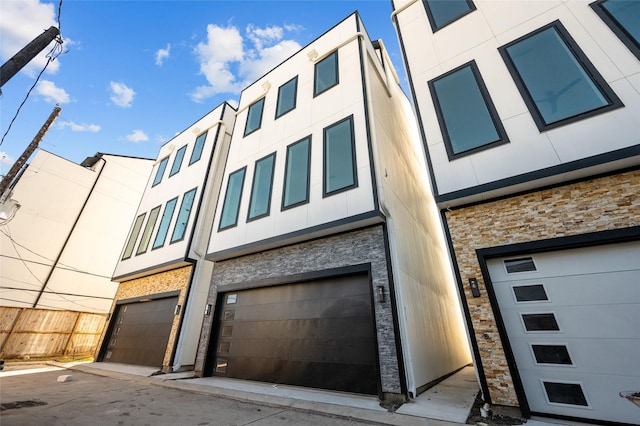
(162, 167)
(253, 183)
(147, 232)
(336, 71)
(156, 243)
(434, 26)
(178, 160)
(616, 27)
(175, 226)
(248, 131)
(295, 97)
(581, 59)
(133, 236)
(491, 109)
(354, 166)
(198, 147)
(286, 168)
(226, 195)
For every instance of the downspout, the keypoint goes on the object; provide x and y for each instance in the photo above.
(73, 227)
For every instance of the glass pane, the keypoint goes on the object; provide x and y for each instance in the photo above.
(254, 117)
(183, 216)
(524, 264)
(167, 215)
(326, 73)
(556, 81)
(339, 157)
(148, 229)
(530, 293)
(466, 116)
(261, 189)
(287, 97)
(540, 322)
(177, 162)
(296, 180)
(552, 354)
(160, 172)
(231, 205)
(627, 15)
(445, 11)
(133, 237)
(565, 393)
(197, 148)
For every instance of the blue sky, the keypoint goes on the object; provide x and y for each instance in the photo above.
(133, 74)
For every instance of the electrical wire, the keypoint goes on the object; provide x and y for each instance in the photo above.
(58, 293)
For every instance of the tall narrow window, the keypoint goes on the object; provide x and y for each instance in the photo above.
(183, 216)
(468, 120)
(557, 81)
(160, 171)
(296, 174)
(163, 229)
(261, 188)
(128, 249)
(287, 97)
(197, 148)
(148, 230)
(232, 197)
(177, 162)
(326, 74)
(623, 17)
(339, 157)
(443, 12)
(254, 117)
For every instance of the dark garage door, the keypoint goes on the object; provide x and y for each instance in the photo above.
(141, 332)
(316, 334)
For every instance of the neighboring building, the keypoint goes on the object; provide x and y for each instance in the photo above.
(164, 278)
(331, 263)
(62, 230)
(529, 113)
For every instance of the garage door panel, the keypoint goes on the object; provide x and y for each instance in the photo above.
(358, 326)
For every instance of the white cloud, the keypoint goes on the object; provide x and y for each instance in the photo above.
(121, 94)
(22, 21)
(51, 93)
(162, 54)
(230, 61)
(75, 127)
(137, 136)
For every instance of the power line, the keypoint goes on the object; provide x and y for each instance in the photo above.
(58, 293)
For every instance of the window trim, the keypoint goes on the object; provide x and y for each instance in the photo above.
(133, 236)
(491, 109)
(147, 232)
(155, 246)
(175, 225)
(432, 21)
(179, 156)
(315, 74)
(616, 27)
(581, 58)
(195, 145)
(162, 167)
(284, 207)
(246, 123)
(353, 158)
(295, 97)
(226, 195)
(253, 182)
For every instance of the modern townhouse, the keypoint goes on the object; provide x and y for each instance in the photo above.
(529, 114)
(331, 267)
(163, 276)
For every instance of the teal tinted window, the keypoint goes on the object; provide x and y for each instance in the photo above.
(296, 174)
(326, 74)
(623, 17)
(339, 157)
(177, 162)
(443, 12)
(254, 117)
(197, 148)
(183, 215)
(467, 117)
(128, 249)
(555, 78)
(232, 196)
(160, 171)
(287, 97)
(163, 229)
(261, 188)
(148, 229)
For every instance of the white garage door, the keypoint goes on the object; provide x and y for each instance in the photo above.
(573, 320)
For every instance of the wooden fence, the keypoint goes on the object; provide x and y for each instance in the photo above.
(40, 333)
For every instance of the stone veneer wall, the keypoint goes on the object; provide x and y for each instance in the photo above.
(606, 203)
(353, 248)
(176, 279)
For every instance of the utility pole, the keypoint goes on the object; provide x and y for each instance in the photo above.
(8, 178)
(24, 56)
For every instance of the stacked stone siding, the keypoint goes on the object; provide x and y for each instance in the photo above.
(600, 204)
(364, 246)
